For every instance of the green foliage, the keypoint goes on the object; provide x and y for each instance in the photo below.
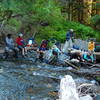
(29, 14)
(15, 23)
(98, 78)
(98, 4)
(59, 31)
(96, 21)
(82, 31)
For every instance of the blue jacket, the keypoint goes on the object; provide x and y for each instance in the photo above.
(69, 36)
(88, 58)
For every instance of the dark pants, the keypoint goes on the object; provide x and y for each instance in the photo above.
(41, 56)
(14, 50)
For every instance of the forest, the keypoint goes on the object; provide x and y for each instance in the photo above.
(45, 19)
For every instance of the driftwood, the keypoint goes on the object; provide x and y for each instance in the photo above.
(85, 74)
(95, 65)
(72, 65)
(86, 88)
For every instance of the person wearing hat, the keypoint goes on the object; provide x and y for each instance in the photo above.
(20, 43)
(69, 40)
(70, 37)
(55, 54)
(56, 49)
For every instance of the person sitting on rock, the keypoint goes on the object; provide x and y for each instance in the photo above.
(82, 56)
(31, 44)
(88, 57)
(56, 49)
(43, 45)
(20, 43)
(10, 45)
(55, 54)
(42, 49)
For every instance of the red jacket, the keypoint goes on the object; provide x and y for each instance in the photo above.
(20, 41)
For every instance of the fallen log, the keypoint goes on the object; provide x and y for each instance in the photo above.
(95, 65)
(72, 65)
(85, 74)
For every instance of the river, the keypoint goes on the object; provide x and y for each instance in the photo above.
(23, 80)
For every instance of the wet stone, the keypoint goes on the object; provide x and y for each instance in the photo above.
(31, 81)
(97, 97)
(87, 97)
(30, 90)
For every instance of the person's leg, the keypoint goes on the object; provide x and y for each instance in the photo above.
(26, 49)
(70, 43)
(15, 53)
(65, 47)
(5, 55)
(41, 56)
(14, 50)
(23, 51)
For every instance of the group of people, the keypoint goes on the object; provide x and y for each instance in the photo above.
(54, 46)
(19, 45)
(79, 54)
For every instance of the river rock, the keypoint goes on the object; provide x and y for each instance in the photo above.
(87, 97)
(97, 97)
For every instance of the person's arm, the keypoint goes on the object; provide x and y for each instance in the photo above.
(17, 41)
(59, 50)
(74, 35)
(93, 46)
(89, 46)
(92, 58)
(8, 41)
(12, 42)
(23, 42)
(85, 57)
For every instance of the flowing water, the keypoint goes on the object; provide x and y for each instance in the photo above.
(24, 80)
(68, 89)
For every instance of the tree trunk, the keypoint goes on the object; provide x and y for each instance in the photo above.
(98, 7)
(69, 10)
(2, 33)
(87, 11)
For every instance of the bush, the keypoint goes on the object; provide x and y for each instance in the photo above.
(95, 20)
(58, 31)
(15, 23)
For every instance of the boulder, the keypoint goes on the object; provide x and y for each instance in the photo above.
(97, 97)
(87, 97)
